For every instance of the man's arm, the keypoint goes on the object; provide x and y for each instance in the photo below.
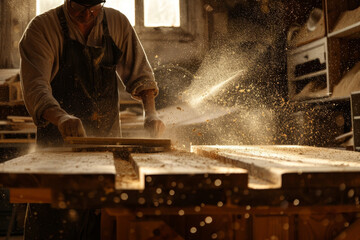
(68, 125)
(152, 122)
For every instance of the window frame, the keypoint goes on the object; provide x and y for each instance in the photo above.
(181, 33)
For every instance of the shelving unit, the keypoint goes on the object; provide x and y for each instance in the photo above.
(306, 64)
(323, 73)
(336, 54)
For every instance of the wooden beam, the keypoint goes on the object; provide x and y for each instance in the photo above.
(30, 195)
(236, 210)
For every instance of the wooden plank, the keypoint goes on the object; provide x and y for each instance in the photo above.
(117, 148)
(59, 168)
(30, 195)
(16, 141)
(18, 131)
(239, 210)
(291, 166)
(19, 118)
(167, 168)
(118, 141)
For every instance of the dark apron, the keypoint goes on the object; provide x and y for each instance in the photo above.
(86, 86)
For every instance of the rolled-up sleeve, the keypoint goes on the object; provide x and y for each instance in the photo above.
(37, 58)
(133, 67)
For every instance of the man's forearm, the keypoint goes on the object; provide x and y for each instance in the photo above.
(152, 122)
(53, 115)
(148, 99)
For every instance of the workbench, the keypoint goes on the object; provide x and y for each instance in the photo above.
(213, 192)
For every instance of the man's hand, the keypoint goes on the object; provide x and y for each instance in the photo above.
(70, 126)
(154, 125)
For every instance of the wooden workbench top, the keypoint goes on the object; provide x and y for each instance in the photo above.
(260, 167)
(63, 168)
(291, 166)
(59, 168)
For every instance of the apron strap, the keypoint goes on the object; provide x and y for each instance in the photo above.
(63, 23)
(105, 25)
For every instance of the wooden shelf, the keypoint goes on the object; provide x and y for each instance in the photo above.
(310, 75)
(323, 100)
(352, 31)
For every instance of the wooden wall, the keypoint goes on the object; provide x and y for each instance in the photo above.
(14, 17)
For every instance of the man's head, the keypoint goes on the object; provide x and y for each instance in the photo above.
(88, 2)
(85, 11)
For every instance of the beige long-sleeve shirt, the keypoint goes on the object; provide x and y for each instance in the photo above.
(41, 48)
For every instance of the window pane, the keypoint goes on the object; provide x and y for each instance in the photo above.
(162, 13)
(45, 5)
(127, 7)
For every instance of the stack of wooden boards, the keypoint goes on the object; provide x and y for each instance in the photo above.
(10, 89)
(17, 129)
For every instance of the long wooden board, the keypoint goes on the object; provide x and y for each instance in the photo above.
(119, 141)
(291, 166)
(59, 168)
(117, 148)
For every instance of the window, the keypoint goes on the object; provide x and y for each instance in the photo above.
(161, 13)
(157, 13)
(45, 5)
(125, 6)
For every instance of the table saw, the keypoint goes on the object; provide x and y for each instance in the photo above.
(212, 192)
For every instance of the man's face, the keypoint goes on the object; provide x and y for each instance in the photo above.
(84, 14)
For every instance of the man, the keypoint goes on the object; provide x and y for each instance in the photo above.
(70, 58)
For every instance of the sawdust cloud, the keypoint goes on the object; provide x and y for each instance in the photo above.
(234, 91)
